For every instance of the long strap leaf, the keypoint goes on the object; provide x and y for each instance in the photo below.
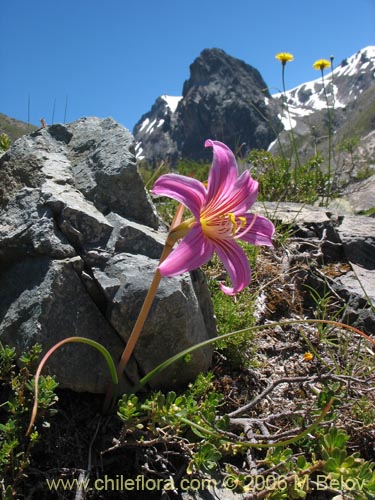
(92, 343)
(162, 366)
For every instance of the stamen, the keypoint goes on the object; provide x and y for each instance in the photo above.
(232, 219)
(226, 226)
(249, 227)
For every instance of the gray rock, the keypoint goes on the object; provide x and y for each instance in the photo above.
(357, 234)
(28, 228)
(340, 238)
(175, 321)
(129, 236)
(293, 213)
(342, 206)
(103, 163)
(361, 195)
(81, 222)
(79, 241)
(44, 300)
(360, 283)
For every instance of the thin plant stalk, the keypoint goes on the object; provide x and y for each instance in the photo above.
(269, 123)
(151, 179)
(145, 309)
(292, 137)
(329, 114)
(143, 313)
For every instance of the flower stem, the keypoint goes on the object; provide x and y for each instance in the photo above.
(291, 135)
(329, 113)
(142, 314)
(145, 309)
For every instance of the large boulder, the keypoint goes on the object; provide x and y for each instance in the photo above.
(79, 242)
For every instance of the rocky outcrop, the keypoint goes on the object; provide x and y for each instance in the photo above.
(343, 246)
(360, 196)
(224, 99)
(227, 99)
(79, 243)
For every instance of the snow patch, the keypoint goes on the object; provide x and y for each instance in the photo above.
(172, 101)
(144, 124)
(138, 151)
(272, 144)
(150, 127)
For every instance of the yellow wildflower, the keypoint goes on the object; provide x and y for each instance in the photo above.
(308, 356)
(321, 64)
(284, 57)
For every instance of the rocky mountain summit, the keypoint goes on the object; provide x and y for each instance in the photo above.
(79, 243)
(228, 100)
(224, 99)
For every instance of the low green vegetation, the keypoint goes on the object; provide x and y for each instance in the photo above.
(16, 400)
(4, 143)
(335, 367)
(13, 128)
(279, 180)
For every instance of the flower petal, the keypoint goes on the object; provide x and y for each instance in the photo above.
(224, 171)
(260, 232)
(193, 251)
(236, 263)
(188, 191)
(238, 200)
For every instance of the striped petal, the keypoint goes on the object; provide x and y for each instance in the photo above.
(258, 230)
(193, 251)
(237, 201)
(188, 191)
(236, 263)
(223, 173)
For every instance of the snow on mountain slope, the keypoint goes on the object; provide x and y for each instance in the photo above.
(172, 101)
(339, 87)
(151, 125)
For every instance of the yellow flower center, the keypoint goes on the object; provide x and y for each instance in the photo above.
(222, 226)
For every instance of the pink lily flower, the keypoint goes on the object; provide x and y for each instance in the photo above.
(219, 218)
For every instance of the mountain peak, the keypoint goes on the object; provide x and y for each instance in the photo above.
(223, 99)
(215, 65)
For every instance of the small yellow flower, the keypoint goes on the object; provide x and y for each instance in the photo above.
(284, 57)
(321, 64)
(308, 356)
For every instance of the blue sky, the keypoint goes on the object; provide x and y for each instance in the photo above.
(75, 58)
